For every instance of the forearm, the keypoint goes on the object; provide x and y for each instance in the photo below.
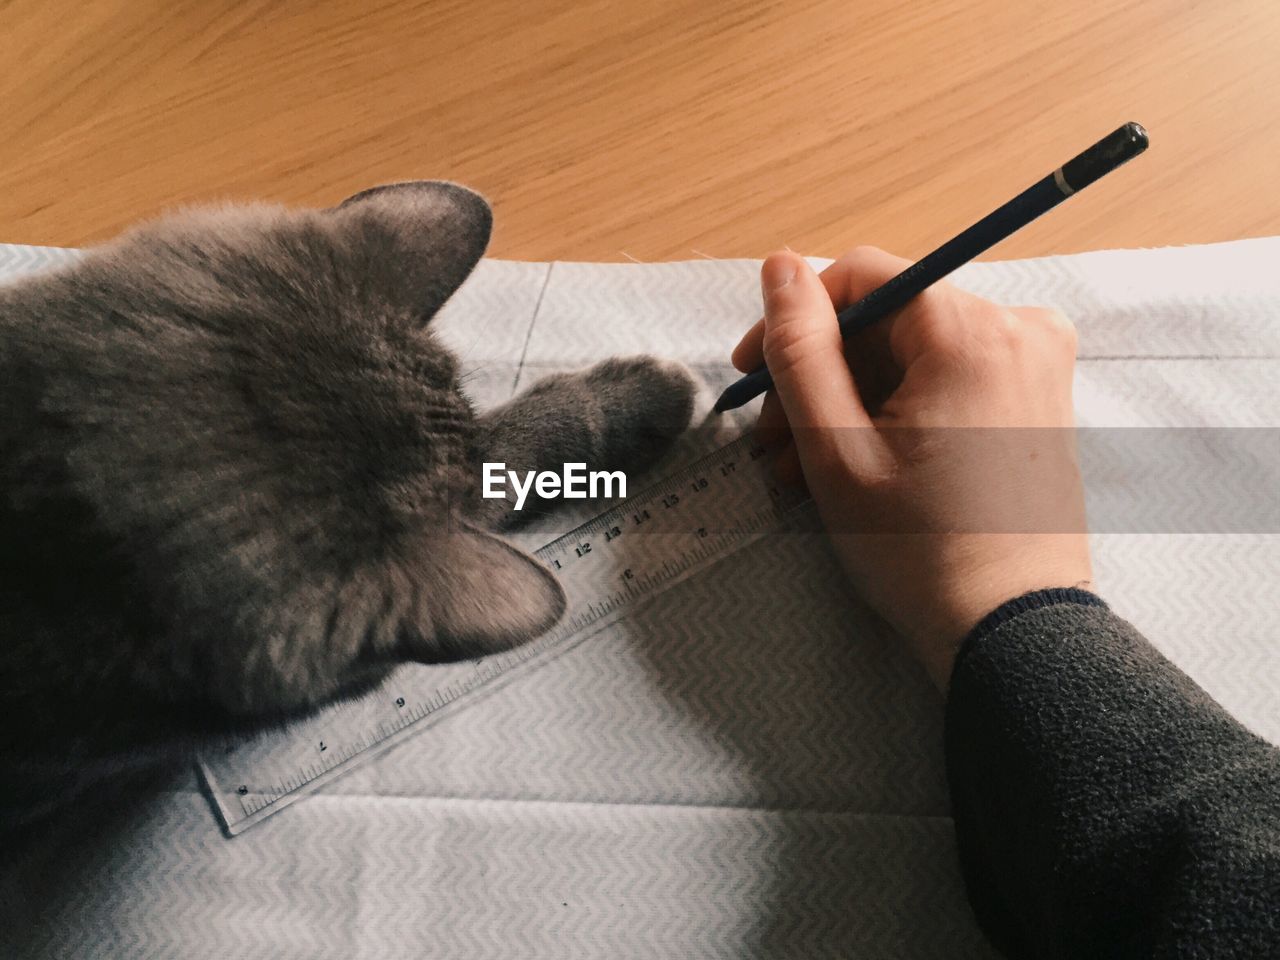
(1105, 805)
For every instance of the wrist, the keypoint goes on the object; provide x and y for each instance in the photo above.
(960, 607)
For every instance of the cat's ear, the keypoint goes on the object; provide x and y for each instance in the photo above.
(485, 596)
(416, 242)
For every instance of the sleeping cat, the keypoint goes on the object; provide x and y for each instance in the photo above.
(238, 478)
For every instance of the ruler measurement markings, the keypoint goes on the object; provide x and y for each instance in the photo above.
(684, 519)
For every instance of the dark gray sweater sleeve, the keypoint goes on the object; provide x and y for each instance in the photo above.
(1105, 805)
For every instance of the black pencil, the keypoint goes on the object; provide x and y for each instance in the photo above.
(1074, 175)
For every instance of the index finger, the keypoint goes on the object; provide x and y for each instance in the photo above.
(938, 315)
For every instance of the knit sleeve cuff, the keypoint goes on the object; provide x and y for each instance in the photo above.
(1035, 600)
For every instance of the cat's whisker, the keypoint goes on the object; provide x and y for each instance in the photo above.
(480, 335)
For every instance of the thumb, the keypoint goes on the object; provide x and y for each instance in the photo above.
(805, 352)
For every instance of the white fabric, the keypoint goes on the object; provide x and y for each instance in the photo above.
(746, 769)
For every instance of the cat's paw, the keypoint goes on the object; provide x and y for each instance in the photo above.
(646, 403)
(621, 414)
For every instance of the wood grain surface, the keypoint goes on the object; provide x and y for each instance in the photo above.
(666, 129)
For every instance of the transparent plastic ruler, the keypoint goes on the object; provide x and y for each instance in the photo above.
(608, 566)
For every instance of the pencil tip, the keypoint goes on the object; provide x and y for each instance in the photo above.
(727, 401)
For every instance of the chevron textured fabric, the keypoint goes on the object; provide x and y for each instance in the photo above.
(748, 767)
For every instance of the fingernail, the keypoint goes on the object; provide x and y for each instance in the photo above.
(777, 272)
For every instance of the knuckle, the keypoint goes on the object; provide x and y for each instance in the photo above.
(787, 344)
(982, 341)
(941, 323)
(994, 331)
(1047, 318)
(1055, 319)
(1053, 326)
(868, 259)
(864, 252)
(938, 328)
(1062, 327)
(1006, 327)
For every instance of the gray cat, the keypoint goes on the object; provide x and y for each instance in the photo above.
(238, 478)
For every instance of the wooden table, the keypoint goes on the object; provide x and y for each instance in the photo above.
(650, 129)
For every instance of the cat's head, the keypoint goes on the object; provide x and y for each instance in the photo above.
(249, 405)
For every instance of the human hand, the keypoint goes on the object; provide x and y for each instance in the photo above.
(938, 443)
